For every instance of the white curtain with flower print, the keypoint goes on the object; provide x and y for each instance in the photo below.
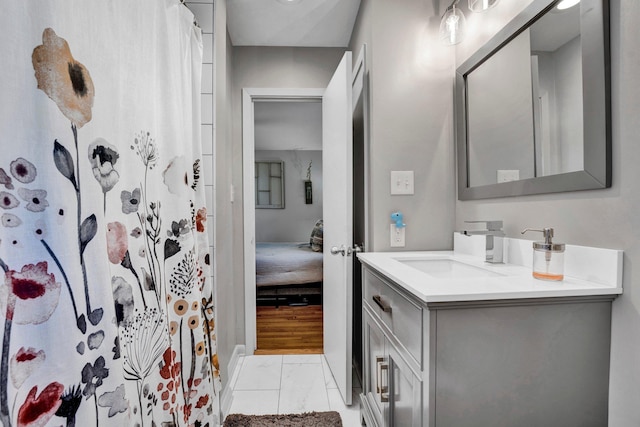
(106, 306)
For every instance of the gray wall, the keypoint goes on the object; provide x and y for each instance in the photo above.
(228, 332)
(295, 222)
(604, 218)
(410, 92)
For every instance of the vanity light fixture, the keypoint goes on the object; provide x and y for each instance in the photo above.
(566, 4)
(452, 25)
(481, 5)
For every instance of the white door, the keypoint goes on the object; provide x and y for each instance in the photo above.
(337, 135)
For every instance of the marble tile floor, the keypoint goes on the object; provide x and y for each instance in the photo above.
(286, 384)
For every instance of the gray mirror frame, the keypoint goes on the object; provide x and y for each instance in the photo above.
(596, 63)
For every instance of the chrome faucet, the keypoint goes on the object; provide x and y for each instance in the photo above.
(494, 239)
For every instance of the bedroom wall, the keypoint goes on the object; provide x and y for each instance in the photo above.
(295, 222)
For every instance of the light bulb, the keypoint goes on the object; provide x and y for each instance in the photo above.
(566, 4)
(452, 26)
(481, 5)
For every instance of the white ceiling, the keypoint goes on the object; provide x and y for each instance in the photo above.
(307, 23)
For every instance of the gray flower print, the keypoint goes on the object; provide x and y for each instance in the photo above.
(36, 199)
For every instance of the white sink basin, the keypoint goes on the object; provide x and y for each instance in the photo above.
(448, 268)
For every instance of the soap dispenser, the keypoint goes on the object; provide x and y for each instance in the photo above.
(548, 257)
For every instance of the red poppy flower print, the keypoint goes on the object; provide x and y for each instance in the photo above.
(202, 401)
(24, 363)
(117, 243)
(29, 296)
(37, 411)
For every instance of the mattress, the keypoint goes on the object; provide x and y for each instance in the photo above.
(287, 263)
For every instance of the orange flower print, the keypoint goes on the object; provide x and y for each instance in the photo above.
(201, 218)
(193, 321)
(173, 327)
(200, 348)
(180, 307)
(66, 81)
(214, 362)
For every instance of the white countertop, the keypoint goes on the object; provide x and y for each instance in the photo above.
(512, 281)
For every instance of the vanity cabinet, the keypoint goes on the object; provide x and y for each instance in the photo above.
(394, 389)
(511, 362)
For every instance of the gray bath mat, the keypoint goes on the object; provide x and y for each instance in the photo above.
(309, 419)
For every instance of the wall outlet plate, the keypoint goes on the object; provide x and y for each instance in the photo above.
(397, 236)
(506, 175)
(401, 182)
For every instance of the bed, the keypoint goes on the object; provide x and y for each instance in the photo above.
(288, 273)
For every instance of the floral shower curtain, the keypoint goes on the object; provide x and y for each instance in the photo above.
(106, 306)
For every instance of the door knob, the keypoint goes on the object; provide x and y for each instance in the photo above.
(346, 251)
(335, 250)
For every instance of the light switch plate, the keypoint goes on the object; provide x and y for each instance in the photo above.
(401, 182)
(397, 236)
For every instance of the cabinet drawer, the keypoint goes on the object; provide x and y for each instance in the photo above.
(402, 316)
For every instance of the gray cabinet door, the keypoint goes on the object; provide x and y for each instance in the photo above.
(523, 366)
(392, 390)
(405, 393)
(376, 369)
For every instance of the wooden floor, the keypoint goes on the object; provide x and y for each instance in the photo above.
(289, 330)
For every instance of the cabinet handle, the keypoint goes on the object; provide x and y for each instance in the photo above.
(382, 374)
(378, 300)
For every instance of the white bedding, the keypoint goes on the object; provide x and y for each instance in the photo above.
(285, 263)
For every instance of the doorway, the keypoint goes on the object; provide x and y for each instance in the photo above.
(343, 95)
(254, 100)
(288, 201)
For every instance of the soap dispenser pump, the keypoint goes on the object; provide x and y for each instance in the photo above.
(548, 257)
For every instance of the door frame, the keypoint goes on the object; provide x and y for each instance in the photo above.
(249, 97)
(360, 88)
(361, 85)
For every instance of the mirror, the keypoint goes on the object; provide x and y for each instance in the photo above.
(532, 105)
(269, 185)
